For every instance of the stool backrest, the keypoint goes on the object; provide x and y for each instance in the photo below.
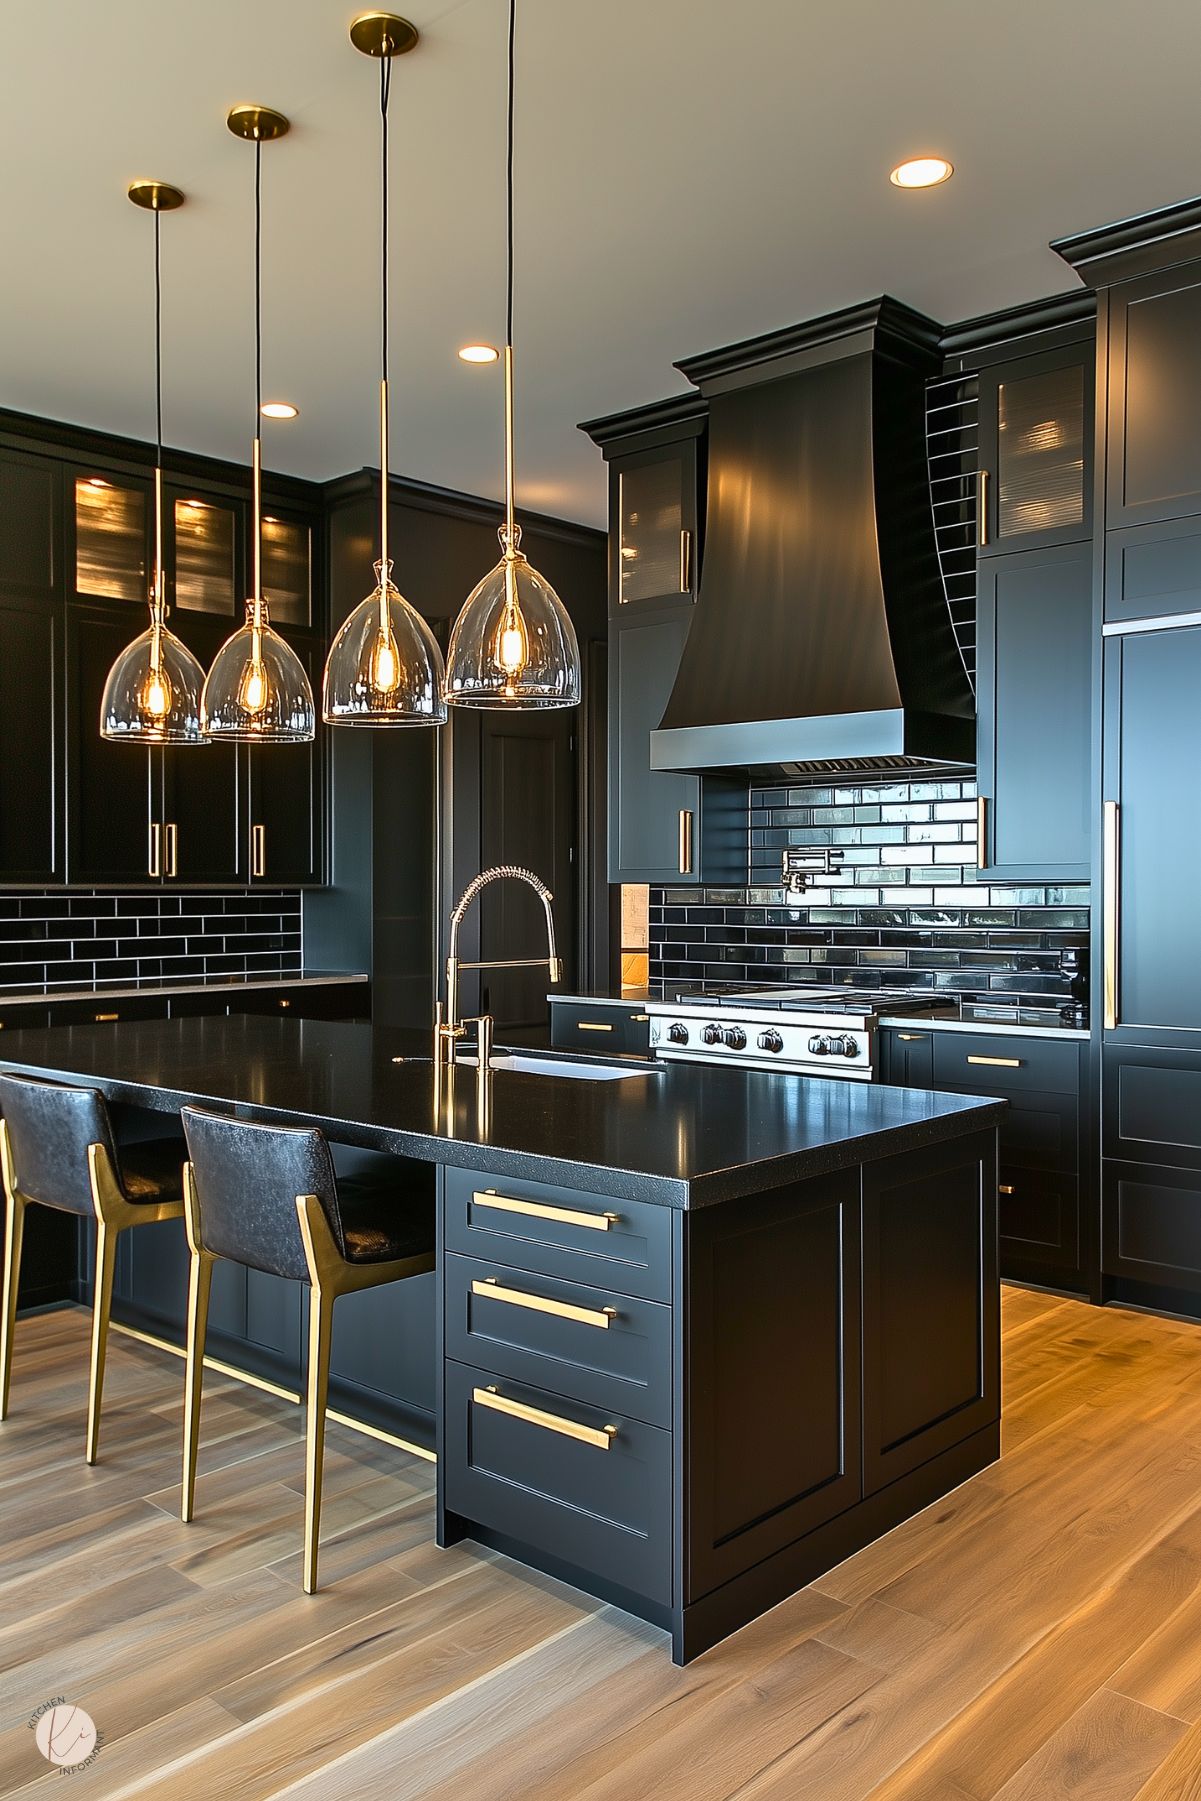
(50, 1127)
(247, 1179)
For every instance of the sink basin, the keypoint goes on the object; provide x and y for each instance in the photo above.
(515, 1063)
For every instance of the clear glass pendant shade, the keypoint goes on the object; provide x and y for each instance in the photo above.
(257, 691)
(513, 643)
(384, 666)
(152, 695)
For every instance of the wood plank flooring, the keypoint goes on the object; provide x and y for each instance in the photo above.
(1035, 1635)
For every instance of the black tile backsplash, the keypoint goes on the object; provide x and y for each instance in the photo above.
(52, 941)
(906, 909)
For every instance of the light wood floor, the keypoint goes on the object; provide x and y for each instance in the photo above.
(1035, 1635)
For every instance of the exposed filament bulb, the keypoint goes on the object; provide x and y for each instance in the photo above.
(385, 663)
(511, 645)
(156, 697)
(252, 690)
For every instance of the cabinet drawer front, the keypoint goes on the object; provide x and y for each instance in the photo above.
(1151, 1106)
(13, 1019)
(1151, 1224)
(596, 1346)
(988, 1064)
(601, 1501)
(1038, 1215)
(588, 1238)
(108, 1012)
(599, 1029)
(1153, 571)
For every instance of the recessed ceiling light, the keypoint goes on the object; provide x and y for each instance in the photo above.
(278, 409)
(921, 172)
(479, 353)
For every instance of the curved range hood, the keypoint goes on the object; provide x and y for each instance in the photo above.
(821, 639)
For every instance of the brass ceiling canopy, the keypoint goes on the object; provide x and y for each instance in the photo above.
(382, 34)
(156, 196)
(257, 124)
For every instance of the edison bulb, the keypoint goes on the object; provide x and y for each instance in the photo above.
(385, 664)
(156, 696)
(512, 651)
(252, 691)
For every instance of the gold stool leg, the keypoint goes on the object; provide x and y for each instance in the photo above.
(15, 1223)
(102, 1300)
(321, 1320)
(200, 1279)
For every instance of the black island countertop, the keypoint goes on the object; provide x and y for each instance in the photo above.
(682, 1136)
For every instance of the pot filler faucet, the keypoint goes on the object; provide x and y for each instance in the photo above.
(448, 1031)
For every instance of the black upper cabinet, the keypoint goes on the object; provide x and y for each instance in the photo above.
(1034, 710)
(1036, 435)
(30, 526)
(111, 797)
(653, 507)
(285, 814)
(1154, 448)
(652, 813)
(30, 632)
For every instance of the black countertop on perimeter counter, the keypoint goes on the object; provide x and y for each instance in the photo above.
(680, 1135)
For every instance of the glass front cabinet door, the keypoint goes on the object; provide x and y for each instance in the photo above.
(1035, 472)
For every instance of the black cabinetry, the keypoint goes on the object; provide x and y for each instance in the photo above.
(1153, 461)
(1036, 447)
(599, 1027)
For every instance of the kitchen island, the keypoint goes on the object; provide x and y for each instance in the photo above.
(699, 1333)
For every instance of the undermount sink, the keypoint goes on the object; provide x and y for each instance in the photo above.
(515, 1063)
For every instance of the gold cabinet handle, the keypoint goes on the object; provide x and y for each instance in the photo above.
(172, 836)
(566, 1216)
(492, 1290)
(284, 1001)
(640, 1019)
(591, 1025)
(912, 1037)
(154, 860)
(1006, 1188)
(258, 850)
(1112, 868)
(998, 1062)
(981, 833)
(103, 1019)
(685, 562)
(685, 858)
(982, 508)
(602, 1437)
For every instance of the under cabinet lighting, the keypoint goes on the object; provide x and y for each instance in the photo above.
(921, 172)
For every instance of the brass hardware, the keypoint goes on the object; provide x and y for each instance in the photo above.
(103, 1019)
(685, 841)
(911, 1037)
(982, 508)
(382, 34)
(258, 850)
(284, 1001)
(601, 1437)
(1112, 863)
(591, 1025)
(566, 1216)
(1006, 1188)
(640, 1019)
(449, 1029)
(685, 562)
(491, 1290)
(998, 1062)
(981, 832)
(172, 837)
(257, 124)
(156, 196)
(154, 861)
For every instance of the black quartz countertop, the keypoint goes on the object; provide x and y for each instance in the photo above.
(118, 991)
(681, 1135)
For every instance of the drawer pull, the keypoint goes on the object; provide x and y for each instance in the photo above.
(1006, 1188)
(567, 1216)
(640, 1019)
(600, 1436)
(998, 1062)
(284, 1001)
(491, 1289)
(591, 1025)
(104, 1019)
(911, 1037)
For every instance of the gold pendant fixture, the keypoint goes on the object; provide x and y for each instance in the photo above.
(384, 666)
(257, 691)
(152, 694)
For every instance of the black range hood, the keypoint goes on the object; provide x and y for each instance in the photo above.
(821, 639)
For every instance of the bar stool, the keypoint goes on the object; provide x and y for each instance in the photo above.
(58, 1149)
(267, 1197)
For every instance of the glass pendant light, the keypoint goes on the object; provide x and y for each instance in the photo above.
(152, 695)
(384, 666)
(257, 690)
(513, 644)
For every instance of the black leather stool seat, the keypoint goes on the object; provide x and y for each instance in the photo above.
(381, 1220)
(152, 1170)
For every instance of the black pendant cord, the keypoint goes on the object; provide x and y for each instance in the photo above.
(258, 283)
(158, 347)
(509, 181)
(385, 87)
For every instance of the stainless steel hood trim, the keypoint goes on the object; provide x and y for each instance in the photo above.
(884, 737)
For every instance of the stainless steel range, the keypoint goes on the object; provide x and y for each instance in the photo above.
(808, 1031)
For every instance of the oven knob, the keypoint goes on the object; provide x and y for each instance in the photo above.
(770, 1041)
(819, 1045)
(844, 1046)
(735, 1037)
(710, 1034)
(677, 1033)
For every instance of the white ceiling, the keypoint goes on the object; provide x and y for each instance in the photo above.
(688, 174)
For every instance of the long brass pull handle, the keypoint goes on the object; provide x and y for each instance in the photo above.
(640, 1019)
(1112, 861)
(154, 861)
(591, 1025)
(173, 850)
(258, 850)
(685, 858)
(566, 1216)
(982, 508)
(602, 1437)
(491, 1290)
(998, 1062)
(104, 1019)
(685, 562)
(1006, 1188)
(981, 832)
(912, 1037)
